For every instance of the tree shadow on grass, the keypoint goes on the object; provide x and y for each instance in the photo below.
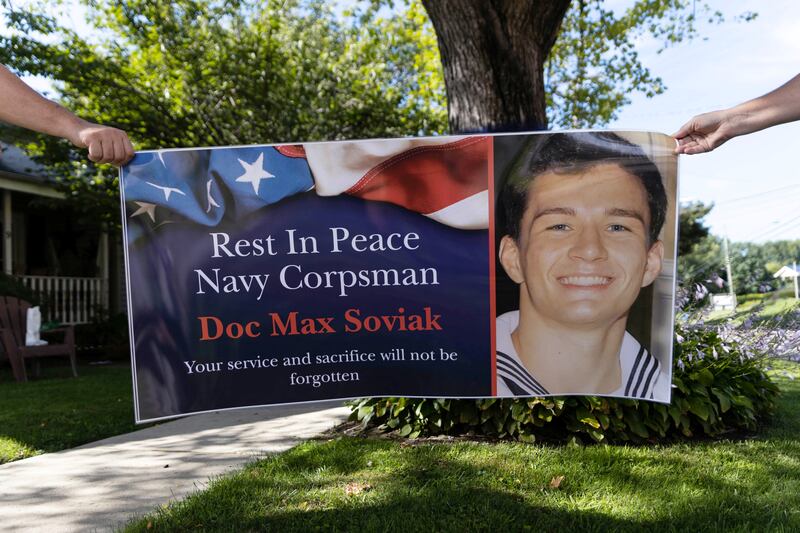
(747, 484)
(786, 420)
(476, 487)
(444, 509)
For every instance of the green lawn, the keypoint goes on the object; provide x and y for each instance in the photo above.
(774, 309)
(58, 412)
(359, 484)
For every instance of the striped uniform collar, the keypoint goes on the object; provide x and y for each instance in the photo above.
(640, 369)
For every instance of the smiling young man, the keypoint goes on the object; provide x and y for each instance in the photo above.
(584, 213)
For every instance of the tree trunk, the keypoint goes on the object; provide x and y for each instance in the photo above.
(493, 54)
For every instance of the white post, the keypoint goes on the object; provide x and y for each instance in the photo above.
(8, 259)
(104, 268)
(794, 266)
(730, 275)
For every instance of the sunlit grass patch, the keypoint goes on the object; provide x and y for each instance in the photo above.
(12, 450)
(57, 412)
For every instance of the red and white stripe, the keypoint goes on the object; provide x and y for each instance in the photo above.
(444, 178)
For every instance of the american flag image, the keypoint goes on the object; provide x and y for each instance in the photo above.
(443, 178)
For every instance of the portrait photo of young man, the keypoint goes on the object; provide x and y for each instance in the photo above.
(581, 240)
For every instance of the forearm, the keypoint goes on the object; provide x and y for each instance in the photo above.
(776, 107)
(22, 106)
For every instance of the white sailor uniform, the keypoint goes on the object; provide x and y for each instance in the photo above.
(642, 376)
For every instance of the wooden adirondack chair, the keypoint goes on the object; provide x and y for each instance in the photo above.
(13, 315)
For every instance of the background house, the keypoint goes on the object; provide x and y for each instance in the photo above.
(789, 272)
(66, 260)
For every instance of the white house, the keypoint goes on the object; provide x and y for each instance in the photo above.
(788, 272)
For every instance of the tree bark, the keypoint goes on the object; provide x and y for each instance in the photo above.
(493, 53)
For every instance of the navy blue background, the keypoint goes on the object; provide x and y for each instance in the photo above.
(165, 308)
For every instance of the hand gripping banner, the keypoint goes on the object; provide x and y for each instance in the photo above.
(473, 266)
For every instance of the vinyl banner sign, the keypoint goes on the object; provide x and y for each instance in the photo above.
(469, 267)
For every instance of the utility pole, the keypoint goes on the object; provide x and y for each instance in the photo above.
(730, 275)
(794, 266)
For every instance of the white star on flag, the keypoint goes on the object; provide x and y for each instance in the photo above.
(167, 190)
(254, 172)
(211, 201)
(144, 207)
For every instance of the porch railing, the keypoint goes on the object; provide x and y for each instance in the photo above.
(69, 300)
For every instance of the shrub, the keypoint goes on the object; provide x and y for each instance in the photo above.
(718, 387)
(12, 286)
(106, 336)
(753, 297)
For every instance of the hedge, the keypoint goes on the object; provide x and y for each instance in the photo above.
(718, 387)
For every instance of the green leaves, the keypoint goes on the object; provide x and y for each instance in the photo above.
(699, 407)
(202, 73)
(594, 66)
(711, 397)
(704, 376)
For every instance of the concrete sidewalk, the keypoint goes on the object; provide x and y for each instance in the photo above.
(102, 485)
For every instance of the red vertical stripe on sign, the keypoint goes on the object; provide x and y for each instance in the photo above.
(426, 179)
(492, 303)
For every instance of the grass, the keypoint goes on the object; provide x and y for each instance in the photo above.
(58, 412)
(768, 310)
(367, 484)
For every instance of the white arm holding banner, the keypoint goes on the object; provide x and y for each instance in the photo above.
(22, 106)
(706, 132)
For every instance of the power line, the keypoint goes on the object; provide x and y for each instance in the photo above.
(774, 229)
(769, 206)
(786, 225)
(774, 237)
(751, 196)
